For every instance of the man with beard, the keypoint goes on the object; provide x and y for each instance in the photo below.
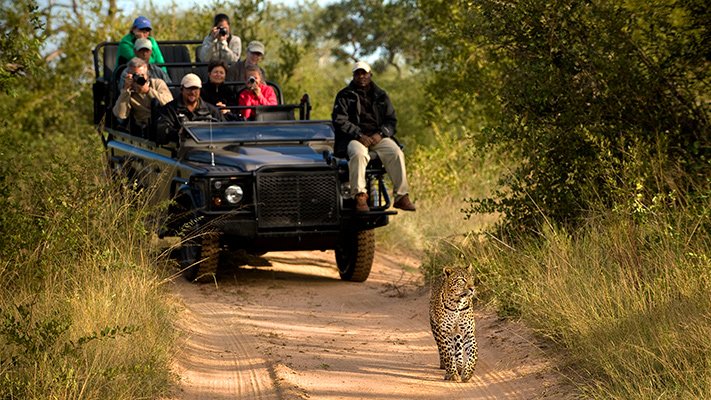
(364, 119)
(187, 107)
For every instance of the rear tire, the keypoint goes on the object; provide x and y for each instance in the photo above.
(199, 258)
(354, 255)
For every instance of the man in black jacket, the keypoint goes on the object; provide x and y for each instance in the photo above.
(364, 119)
(187, 107)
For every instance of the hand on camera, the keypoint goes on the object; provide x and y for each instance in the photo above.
(128, 82)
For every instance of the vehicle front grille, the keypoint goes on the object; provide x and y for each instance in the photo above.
(297, 199)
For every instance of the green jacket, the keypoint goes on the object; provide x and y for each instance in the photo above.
(126, 52)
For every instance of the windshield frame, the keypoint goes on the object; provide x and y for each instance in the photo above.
(261, 131)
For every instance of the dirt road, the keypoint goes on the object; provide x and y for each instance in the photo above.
(294, 330)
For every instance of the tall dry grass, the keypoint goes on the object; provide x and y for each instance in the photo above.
(627, 297)
(82, 311)
(441, 177)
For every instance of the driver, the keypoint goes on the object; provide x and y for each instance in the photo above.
(187, 107)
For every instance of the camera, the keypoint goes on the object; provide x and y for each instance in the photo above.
(140, 80)
(222, 31)
(252, 80)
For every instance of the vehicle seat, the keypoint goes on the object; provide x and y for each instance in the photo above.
(177, 54)
(274, 113)
(110, 54)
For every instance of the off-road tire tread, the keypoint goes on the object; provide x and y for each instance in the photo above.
(360, 266)
(209, 258)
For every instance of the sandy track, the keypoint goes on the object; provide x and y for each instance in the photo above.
(296, 331)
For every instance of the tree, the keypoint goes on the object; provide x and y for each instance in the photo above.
(21, 32)
(362, 28)
(586, 97)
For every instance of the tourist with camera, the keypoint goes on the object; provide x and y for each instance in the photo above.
(255, 55)
(220, 44)
(257, 93)
(144, 49)
(138, 93)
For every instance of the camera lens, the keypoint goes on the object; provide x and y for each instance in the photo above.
(252, 80)
(223, 32)
(139, 79)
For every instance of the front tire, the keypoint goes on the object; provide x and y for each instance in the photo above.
(199, 258)
(354, 255)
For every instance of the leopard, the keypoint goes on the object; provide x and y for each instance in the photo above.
(452, 322)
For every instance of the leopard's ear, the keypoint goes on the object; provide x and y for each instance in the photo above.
(470, 268)
(448, 271)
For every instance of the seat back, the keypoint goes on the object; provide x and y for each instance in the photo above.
(109, 60)
(274, 113)
(177, 54)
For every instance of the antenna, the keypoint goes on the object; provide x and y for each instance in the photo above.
(212, 147)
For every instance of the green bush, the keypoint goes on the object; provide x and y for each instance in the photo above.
(584, 97)
(625, 295)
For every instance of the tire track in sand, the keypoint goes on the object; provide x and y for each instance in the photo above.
(215, 359)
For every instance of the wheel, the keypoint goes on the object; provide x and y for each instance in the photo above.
(199, 257)
(354, 255)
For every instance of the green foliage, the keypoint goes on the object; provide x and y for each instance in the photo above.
(21, 34)
(585, 97)
(81, 312)
(625, 295)
(363, 28)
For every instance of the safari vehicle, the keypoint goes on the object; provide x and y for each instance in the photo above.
(272, 184)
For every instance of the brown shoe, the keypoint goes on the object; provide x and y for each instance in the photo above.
(361, 202)
(404, 204)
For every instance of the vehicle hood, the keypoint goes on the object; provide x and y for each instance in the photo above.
(250, 158)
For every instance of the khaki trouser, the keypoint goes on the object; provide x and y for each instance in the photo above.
(390, 155)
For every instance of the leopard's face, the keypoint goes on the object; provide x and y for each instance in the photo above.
(459, 285)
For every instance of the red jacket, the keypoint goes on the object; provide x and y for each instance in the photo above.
(248, 98)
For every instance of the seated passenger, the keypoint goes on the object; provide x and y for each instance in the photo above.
(256, 93)
(255, 54)
(143, 49)
(138, 93)
(141, 29)
(188, 107)
(216, 92)
(220, 43)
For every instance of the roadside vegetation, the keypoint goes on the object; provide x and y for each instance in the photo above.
(83, 312)
(600, 112)
(561, 148)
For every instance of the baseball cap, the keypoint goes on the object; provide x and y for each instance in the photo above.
(142, 23)
(142, 44)
(361, 65)
(255, 47)
(191, 81)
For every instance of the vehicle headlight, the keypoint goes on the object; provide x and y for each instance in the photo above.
(234, 194)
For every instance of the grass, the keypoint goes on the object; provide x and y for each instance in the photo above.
(441, 176)
(627, 298)
(83, 314)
